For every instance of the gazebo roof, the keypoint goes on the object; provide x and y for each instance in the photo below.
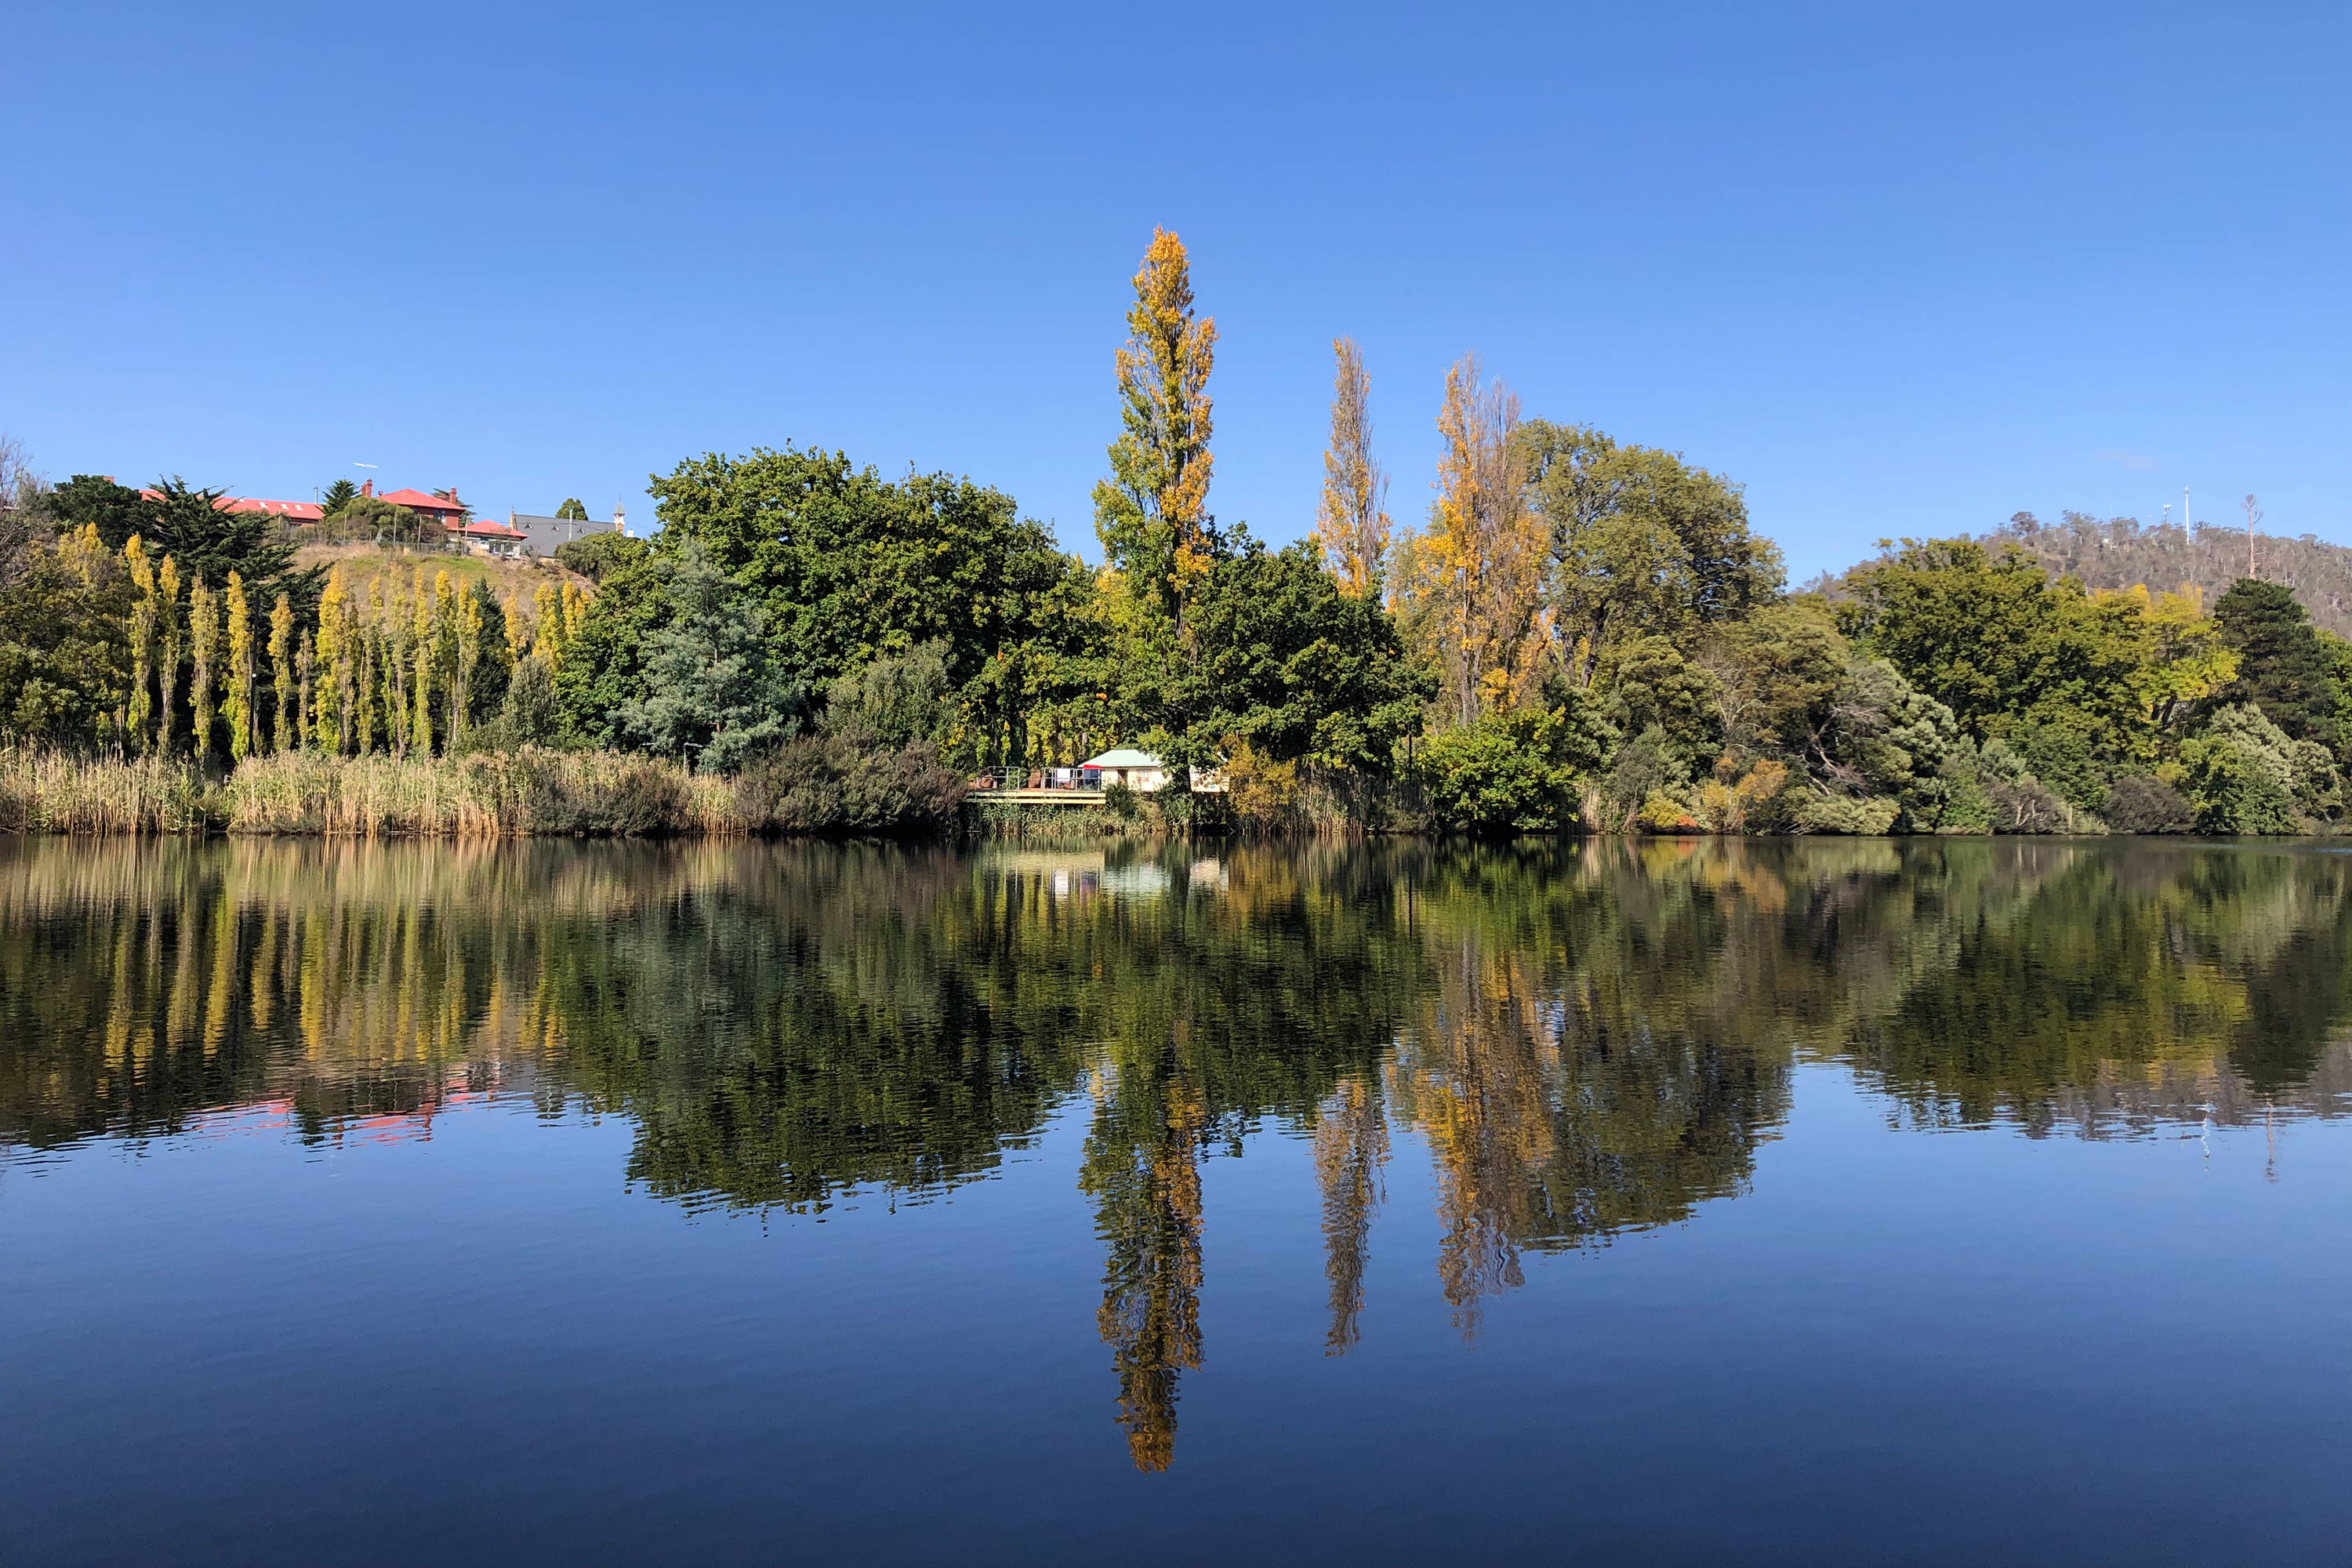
(1123, 757)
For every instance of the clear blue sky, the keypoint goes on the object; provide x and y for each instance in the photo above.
(1899, 269)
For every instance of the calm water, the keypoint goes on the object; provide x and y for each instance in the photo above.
(1803, 1203)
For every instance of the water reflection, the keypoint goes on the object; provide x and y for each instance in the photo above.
(1586, 1040)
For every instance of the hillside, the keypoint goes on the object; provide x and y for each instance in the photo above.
(364, 564)
(2121, 551)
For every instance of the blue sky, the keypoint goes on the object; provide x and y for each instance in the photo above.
(1898, 269)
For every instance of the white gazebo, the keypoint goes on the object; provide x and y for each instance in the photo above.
(1125, 765)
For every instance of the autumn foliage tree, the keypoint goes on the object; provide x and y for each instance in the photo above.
(1152, 513)
(1351, 525)
(1476, 572)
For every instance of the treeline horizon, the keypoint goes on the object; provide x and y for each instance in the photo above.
(1580, 635)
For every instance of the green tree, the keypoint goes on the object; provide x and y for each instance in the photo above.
(710, 687)
(66, 642)
(1290, 662)
(2284, 667)
(1521, 771)
(571, 510)
(598, 555)
(1991, 638)
(2245, 773)
(340, 494)
(187, 524)
(117, 511)
(1641, 543)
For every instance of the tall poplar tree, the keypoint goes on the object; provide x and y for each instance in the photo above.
(1352, 524)
(171, 646)
(1479, 568)
(1152, 513)
(281, 668)
(237, 703)
(203, 644)
(143, 641)
(329, 718)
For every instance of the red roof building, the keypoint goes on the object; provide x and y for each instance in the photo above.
(291, 510)
(441, 509)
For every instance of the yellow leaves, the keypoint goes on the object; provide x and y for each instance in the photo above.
(1351, 527)
(1476, 572)
(1152, 513)
(143, 574)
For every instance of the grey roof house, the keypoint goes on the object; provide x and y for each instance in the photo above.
(542, 535)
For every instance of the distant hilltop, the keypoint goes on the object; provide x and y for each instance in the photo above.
(2122, 550)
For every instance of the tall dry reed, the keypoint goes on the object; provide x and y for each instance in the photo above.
(44, 791)
(487, 794)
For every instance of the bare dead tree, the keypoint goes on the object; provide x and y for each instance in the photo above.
(2253, 515)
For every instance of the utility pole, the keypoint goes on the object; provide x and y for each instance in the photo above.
(2253, 515)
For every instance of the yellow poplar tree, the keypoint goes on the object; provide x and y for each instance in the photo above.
(1351, 525)
(142, 639)
(1152, 513)
(397, 657)
(236, 703)
(171, 646)
(330, 717)
(421, 620)
(281, 667)
(1477, 569)
(548, 635)
(469, 639)
(204, 643)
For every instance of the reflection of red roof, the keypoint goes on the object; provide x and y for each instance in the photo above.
(417, 501)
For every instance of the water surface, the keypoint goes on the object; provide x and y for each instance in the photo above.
(1859, 1201)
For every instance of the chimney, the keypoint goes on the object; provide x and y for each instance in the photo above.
(368, 488)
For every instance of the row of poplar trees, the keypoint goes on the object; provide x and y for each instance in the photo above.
(391, 667)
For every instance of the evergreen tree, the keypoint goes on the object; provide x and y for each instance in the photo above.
(2284, 668)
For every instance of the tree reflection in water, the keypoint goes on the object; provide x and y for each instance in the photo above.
(1587, 1039)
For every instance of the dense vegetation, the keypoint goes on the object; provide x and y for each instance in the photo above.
(1583, 634)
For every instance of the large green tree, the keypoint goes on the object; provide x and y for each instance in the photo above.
(1641, 543)
(2285, 665)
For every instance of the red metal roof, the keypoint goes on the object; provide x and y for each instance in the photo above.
(417, 501)
(490, 529)
(293, 511)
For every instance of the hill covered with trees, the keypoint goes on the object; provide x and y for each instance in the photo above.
(2122, 552)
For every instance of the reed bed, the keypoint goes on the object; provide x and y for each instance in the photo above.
(54, 792)
(488, 795)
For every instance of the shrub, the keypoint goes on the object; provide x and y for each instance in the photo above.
(1501, 774)
(838, 784)
(2140, 804)
(600, 556)
(1862, 816)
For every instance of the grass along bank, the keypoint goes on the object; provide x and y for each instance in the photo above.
(534, 791)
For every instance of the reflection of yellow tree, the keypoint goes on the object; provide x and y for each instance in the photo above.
(1351, 1145)
(1475, 1083)
(1143, 1169)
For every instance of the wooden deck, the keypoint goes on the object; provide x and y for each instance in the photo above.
(1038, 797)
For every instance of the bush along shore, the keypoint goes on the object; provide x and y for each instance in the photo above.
(1582, 635)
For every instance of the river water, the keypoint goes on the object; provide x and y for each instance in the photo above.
(1813, 1202)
